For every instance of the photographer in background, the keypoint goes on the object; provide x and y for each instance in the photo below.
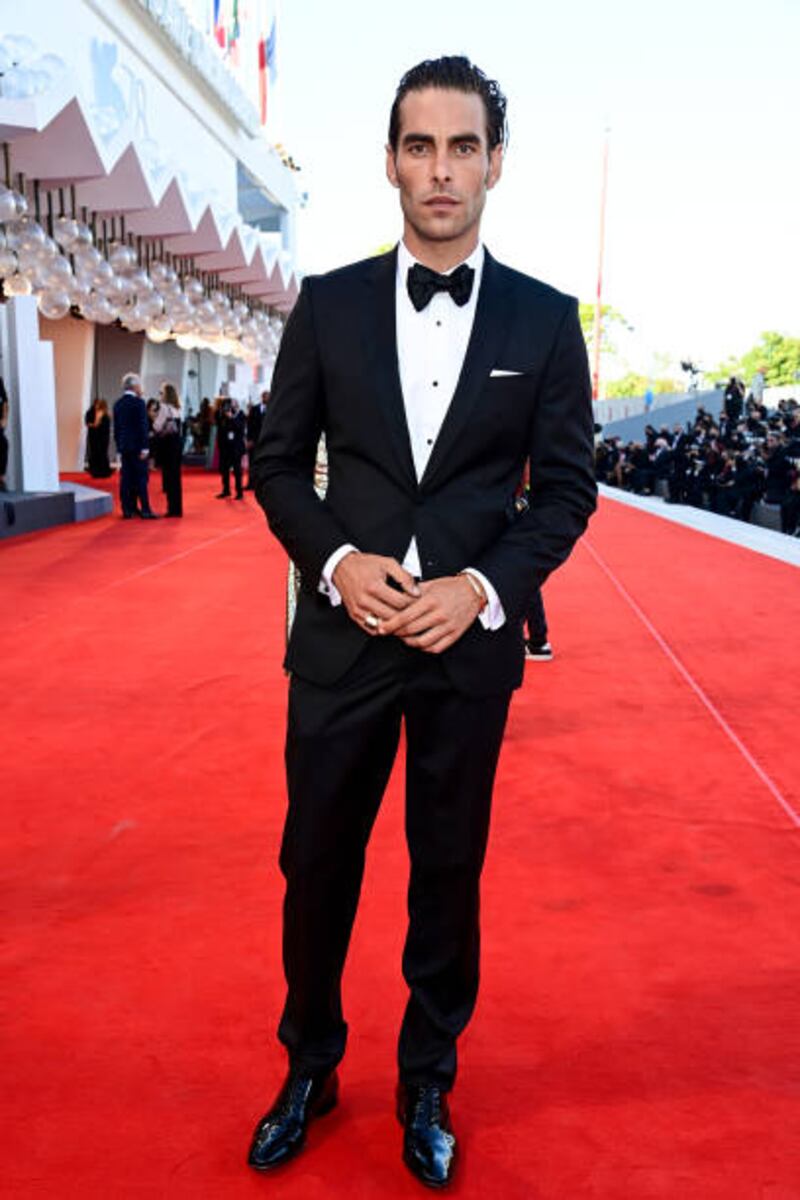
(231, 429)
(724, 464)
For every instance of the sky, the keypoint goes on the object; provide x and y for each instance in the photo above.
(702, 100)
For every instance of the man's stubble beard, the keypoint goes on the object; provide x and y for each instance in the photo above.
(431, 234)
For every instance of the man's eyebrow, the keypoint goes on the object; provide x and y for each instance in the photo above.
(417, 137)
(429, 140)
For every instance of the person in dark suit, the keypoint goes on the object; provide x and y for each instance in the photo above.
(255, 418)
(132, 436)
(434, 373)
(231, 429)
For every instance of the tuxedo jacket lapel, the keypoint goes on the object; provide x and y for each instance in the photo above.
(492, 317)
(381, 354)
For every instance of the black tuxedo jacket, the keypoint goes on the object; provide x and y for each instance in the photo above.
(131, 427)
(337, 373)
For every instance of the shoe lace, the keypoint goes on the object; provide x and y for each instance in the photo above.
(294, 1095)
(428, 1105)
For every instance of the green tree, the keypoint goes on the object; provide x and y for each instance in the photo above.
(778, 356)
(611, 318)
(775, 353)
(634, 384)
(631, 384)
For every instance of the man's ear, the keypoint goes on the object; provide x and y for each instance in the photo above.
(495, 167)
(391, 167)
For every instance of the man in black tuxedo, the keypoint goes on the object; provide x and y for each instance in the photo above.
(435, 373)
(132, 436)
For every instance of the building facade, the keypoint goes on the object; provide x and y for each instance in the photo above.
(146, 220)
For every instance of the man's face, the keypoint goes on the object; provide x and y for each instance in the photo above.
(443, 166)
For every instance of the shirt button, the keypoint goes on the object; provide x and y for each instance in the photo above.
(430, 441)
(436, 383)
(438, 324)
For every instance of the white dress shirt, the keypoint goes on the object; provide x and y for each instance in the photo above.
(166, 412)
(431, 346)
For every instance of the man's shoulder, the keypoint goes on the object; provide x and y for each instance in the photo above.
(351, 273)
(534, 289)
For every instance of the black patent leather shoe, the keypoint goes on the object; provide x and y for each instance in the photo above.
(429, 1144)
(281, 1133)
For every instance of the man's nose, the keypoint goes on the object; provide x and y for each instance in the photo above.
(441, 167)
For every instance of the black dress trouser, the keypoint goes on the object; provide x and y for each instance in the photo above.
(340, 747)
(170, 458)
(133, 476)
(537, 620)
(228, 463)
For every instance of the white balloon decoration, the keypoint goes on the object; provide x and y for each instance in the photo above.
(54, 304)
(8, 262)
(17, 285)
(107, 283)
(8, 206)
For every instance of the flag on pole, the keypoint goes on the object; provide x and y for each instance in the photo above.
(266, 64)
(233, 35)
(262, 79)
(219, 27)
(271, 59)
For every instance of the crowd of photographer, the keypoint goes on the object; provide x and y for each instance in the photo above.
(726, 464)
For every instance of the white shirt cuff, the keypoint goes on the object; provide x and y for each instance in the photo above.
(326, 584)
(493, 615)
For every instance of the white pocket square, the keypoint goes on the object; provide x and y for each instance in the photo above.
(498, 371)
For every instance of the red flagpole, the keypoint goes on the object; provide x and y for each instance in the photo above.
(598, 308)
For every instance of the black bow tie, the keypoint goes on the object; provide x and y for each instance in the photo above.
(423, 283)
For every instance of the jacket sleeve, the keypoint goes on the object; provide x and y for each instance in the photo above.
(287, 447)
(563, 492)
(144, 426)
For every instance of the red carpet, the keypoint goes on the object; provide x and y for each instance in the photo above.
(638, 1032)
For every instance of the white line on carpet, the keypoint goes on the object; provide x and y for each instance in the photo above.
(751, 537)
(702, 696)
(165, 562)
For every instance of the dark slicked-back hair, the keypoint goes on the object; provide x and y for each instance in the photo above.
(457, 73)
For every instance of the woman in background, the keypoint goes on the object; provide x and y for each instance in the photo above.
(98, 434)
(168, 432)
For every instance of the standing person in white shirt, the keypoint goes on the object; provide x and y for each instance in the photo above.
(434, 373)
(168, 430)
